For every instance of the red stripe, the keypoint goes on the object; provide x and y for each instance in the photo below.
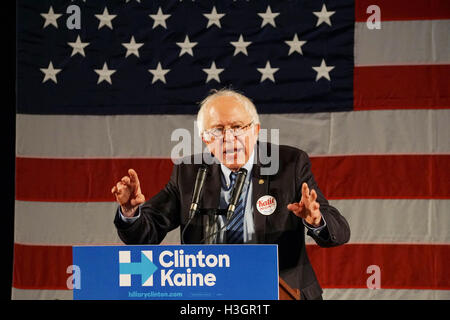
(339, 177)
(404, 9)
(402, 266)
(41, 267)
(402, 87)
(85, 179)
(383, 176)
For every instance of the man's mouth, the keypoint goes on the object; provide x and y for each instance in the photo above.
(232, 151)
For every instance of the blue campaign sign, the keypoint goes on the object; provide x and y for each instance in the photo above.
(188, 272)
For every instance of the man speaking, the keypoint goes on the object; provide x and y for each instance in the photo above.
(258, 207)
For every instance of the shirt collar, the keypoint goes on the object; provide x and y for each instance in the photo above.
(248, 166)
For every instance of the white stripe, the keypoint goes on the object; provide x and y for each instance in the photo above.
(362, 132)
(26, 294)
(402, 43)
(65, 223)
(371, 221)
(385, 294)
(70, 223)
(395, 221)
(97, 136)
(328, 294)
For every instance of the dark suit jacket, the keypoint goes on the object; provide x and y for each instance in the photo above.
(169, 209)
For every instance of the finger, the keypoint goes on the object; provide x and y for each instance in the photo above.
(114, 190)
(133, 176)
(123, 188)
(296, 208)
(305, 189)
(316, 206)
(119, 187)
(134, 181)
(305, 194)
(295, 205)
(126, 180)
(313, 195)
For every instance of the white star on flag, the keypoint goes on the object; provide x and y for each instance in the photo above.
(213, 72)
(186, 46)
(267, 72)
(136, 0)
(268, 17)
(240, 46)
(132, 47)
(323, 16)
(105, 19)
(159, 18)
(159, 73)
(50, 18)
(323, 71)
(295, 45)
(104, 74)
(214, 18)
(50, 73)
(78, 47)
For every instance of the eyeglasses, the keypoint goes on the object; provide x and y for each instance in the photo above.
(219, 132)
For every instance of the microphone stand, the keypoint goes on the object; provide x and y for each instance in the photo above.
(198, 188)
(211, 226)
(211, 213)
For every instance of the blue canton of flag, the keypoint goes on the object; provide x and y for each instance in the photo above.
(158, 57)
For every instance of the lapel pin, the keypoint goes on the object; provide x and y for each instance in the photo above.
(266, 205)
(261, 181)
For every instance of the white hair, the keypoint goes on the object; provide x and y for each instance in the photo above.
(245, 102)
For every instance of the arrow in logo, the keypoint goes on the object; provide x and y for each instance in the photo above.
(145, 268)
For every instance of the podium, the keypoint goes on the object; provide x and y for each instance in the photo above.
(179, 272)
(285, 292)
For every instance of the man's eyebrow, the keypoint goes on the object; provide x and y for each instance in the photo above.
(238, 122)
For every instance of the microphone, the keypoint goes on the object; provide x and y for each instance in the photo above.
(236, 194)
(198, 187)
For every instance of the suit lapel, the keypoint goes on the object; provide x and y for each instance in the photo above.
(260, 188)
(211, 189)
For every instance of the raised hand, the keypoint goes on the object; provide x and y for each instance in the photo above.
(308, 207)
(128, 193)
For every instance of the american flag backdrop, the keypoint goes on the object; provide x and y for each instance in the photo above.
(104, 93)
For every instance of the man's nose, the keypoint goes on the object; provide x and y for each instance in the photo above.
(228, 136)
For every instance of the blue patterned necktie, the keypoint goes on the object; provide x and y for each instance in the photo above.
(235, 229)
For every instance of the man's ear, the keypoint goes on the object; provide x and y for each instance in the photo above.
(206, 142)
(257, 128)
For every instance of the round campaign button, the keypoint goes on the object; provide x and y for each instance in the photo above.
(266, 205)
